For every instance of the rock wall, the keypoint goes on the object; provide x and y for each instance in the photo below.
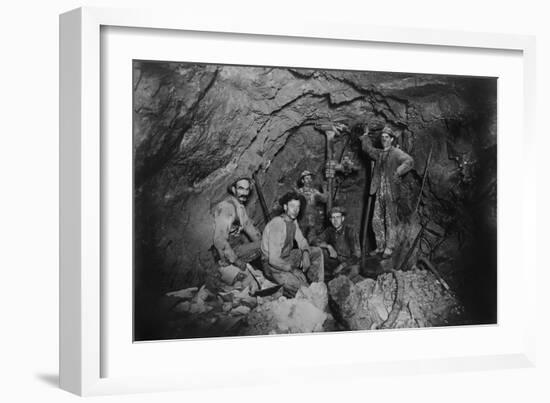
(198, 126)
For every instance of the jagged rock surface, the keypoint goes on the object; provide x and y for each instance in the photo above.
(367, 304)
(197, 126)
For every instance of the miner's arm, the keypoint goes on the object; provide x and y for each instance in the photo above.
(322, 241)
(406, 163)
(304, 247)
(224, 215)
(368, 148)
(300, 239)
(250, 229)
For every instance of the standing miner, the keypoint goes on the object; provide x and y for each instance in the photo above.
(312, 217)
(391, 163)
(292, 268)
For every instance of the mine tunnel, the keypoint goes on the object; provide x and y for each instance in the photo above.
(197, 127)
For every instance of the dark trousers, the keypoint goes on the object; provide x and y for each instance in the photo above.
(296, 278)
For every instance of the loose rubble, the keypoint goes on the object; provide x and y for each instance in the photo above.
(305, 313)
(233, 310)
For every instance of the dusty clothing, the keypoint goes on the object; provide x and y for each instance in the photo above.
(387, 163)
(282, 262)
(389, 166)
(346, 243)
(384, 216)
(312, 217)
(230, 222)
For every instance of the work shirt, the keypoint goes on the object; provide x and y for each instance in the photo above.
(312, 195)
(230, 220)
(344, 241)
(387, 163)
(277, 241)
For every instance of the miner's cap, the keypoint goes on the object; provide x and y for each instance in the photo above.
(305, 173)
(338, 209)
(388, 130)
(240, 178)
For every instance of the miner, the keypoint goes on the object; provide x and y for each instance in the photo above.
(230, 222)
(292, 268)
(312, 218)
(340, 242)
(390, 164)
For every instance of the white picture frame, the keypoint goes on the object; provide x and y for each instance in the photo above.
(83, 178)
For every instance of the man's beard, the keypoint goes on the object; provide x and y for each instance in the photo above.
(242, 199)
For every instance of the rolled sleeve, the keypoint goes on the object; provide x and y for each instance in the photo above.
(368, 148)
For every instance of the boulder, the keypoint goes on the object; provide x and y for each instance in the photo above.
(316, 293)
(240, 310)
(369, 303)
(229, 274)
(303, 314)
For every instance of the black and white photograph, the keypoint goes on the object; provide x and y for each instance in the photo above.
(298, 200)
(277, 200)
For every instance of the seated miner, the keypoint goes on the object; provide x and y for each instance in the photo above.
(340, 244)
(292, 268)
(312, 217)
(230, 221)
(391, 163)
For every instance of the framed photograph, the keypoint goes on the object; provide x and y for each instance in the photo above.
(318, 197)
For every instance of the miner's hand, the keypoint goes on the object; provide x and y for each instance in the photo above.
(332, 252)
(305, 260)
(339, 268)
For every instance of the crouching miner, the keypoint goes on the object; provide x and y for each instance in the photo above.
(292, 268)
(230, 220)
(342, 246)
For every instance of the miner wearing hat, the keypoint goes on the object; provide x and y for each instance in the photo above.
(312, 217)
(283, 263)
(236, 239)
(340, 244)
(390, 164)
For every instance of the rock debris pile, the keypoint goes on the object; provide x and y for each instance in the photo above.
(343, 305)
(394, 300)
